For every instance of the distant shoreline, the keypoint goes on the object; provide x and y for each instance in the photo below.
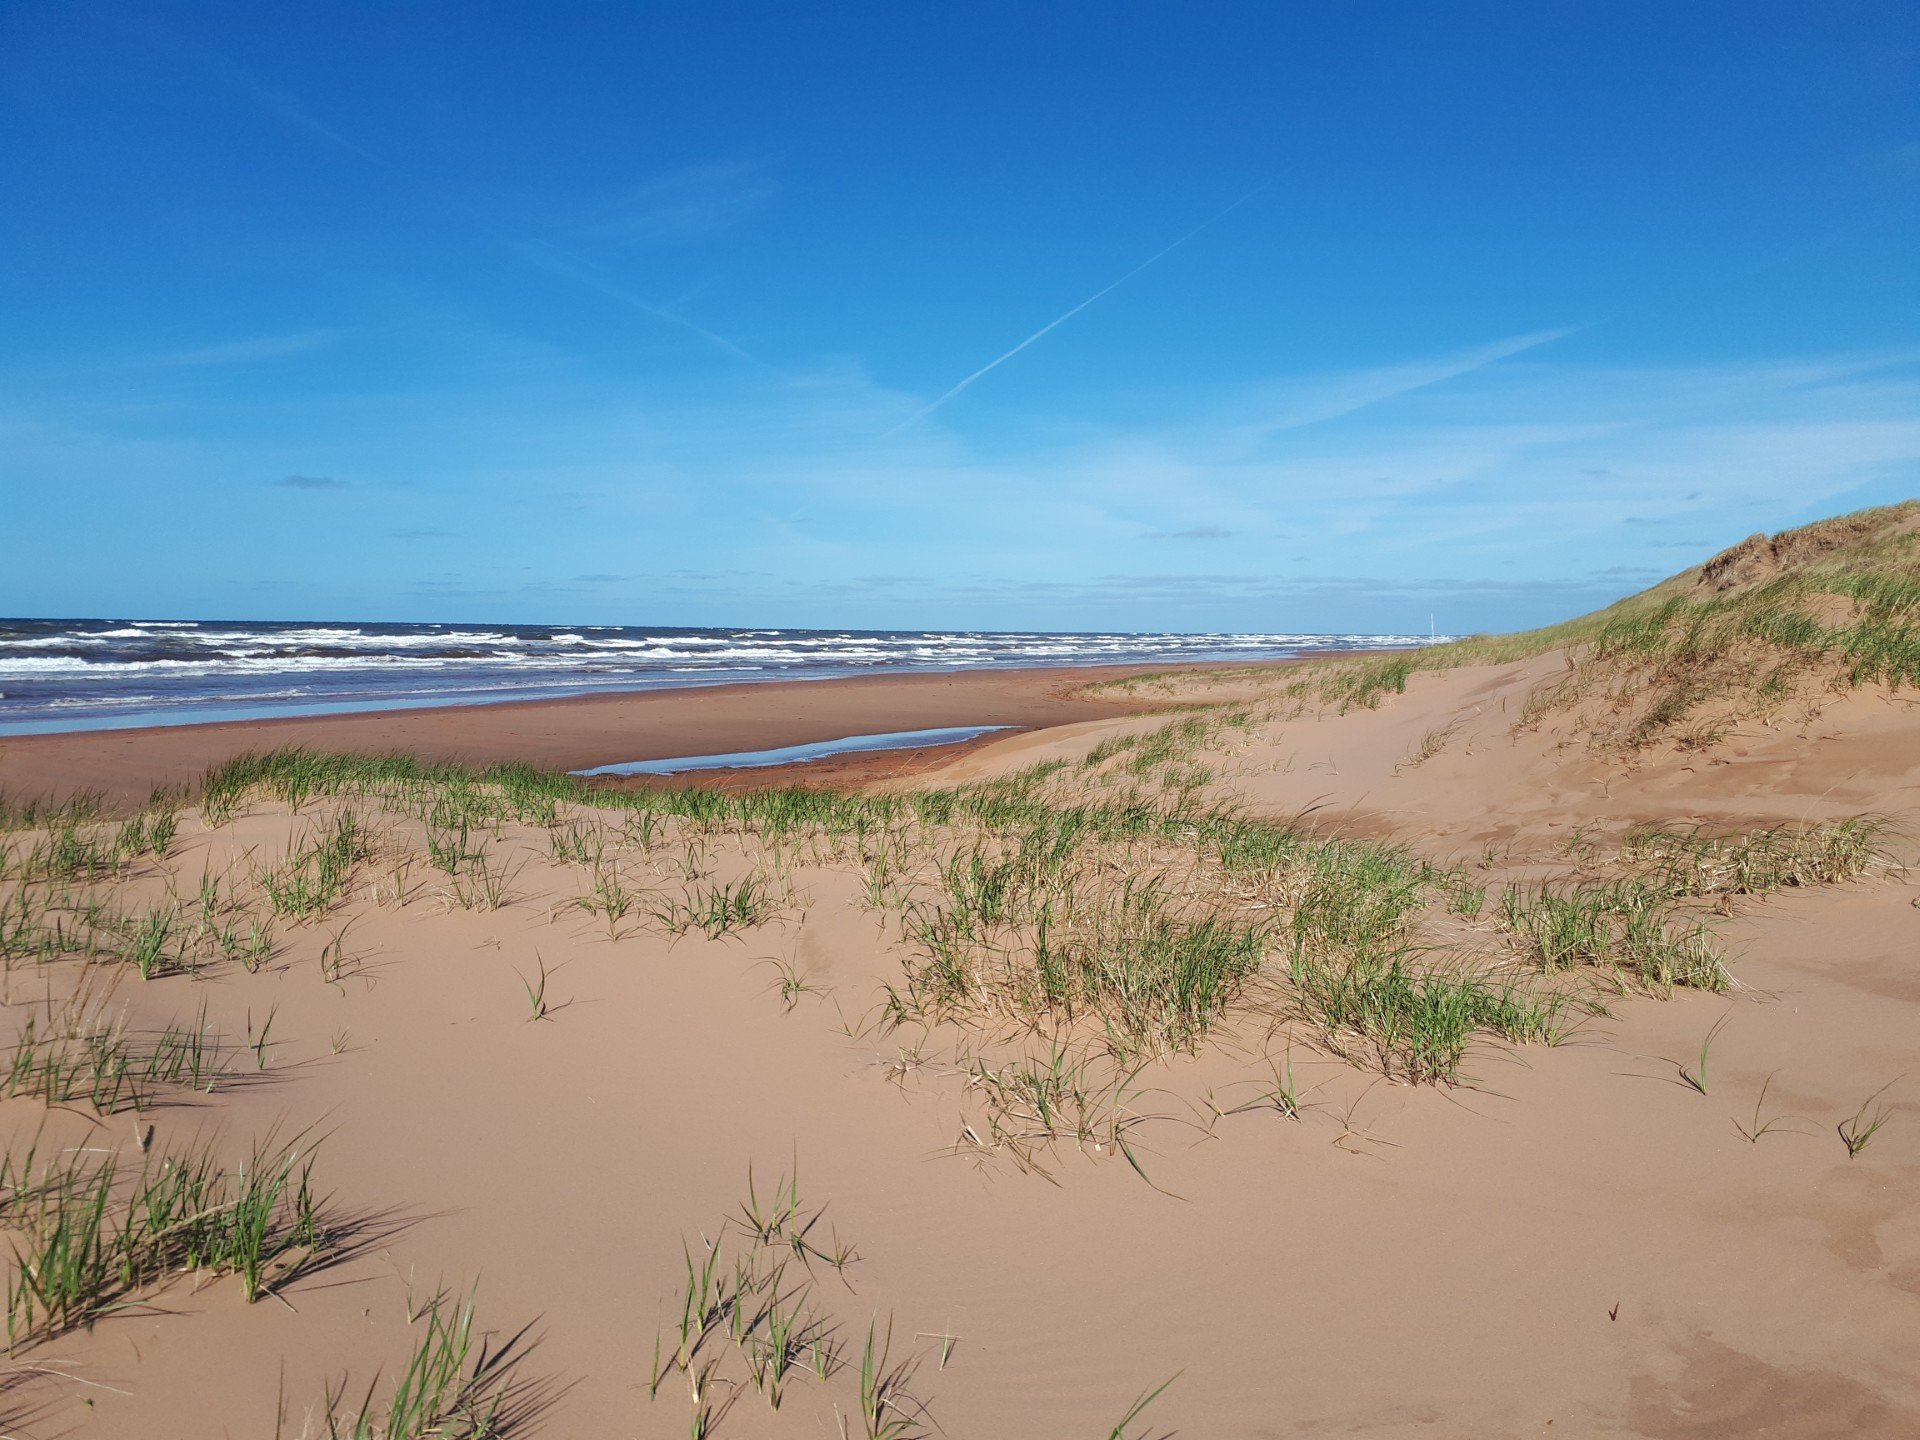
(70, 676)
(578, 732)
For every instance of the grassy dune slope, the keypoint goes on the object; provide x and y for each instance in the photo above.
(282, 1053)
(1827, 607)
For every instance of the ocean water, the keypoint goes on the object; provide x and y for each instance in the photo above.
(800, 754)
(103, 674)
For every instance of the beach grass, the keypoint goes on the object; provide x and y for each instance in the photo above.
(453, 1385)
(1815, 611)
(749, 1314)
(77, 1055)
(1631, 929)
(1087, 904)
(1858, 1130)
(1138, 917)
(1060, 929)
(89, 1236)
(1692, 861)
(718, 909)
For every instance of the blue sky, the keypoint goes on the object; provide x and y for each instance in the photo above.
(666, 313)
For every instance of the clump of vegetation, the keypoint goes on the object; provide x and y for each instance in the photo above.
(1049, 939)
(455, 1385)
(1037, 1101)
(88, 1236)
(750, 1314)
(1418, 1022)
(77, 1055)
(71, 843)
(718, 909)
(315, 876)
(1628, 928)
(1694, 862)
(1858, 1129)
(43, 923)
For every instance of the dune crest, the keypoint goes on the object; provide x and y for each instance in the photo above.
(1514, 1037)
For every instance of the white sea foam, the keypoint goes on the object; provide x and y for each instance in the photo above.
(106, 669)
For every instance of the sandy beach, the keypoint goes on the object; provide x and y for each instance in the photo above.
(909, 722)
(576, 733)
(1374, 1048)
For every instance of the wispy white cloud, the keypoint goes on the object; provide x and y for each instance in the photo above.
(694, 203)
(246, 351)
(550, 258)
(1509, 494)
(1314, 401)
(1197, 532)
(1900, 160)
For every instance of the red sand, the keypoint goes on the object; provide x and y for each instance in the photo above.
(1575, 1242)
(584, 731)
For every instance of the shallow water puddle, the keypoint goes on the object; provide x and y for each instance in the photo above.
(801, 754)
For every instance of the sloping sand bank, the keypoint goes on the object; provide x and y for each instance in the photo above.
(545, 1051)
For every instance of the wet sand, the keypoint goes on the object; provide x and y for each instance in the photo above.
(579, 732)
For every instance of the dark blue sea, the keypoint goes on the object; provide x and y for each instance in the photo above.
(102, 674)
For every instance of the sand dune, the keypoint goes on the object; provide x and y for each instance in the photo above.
(558, 1046)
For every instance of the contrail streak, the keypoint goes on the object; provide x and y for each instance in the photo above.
(569, 267)
(1060, 320)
